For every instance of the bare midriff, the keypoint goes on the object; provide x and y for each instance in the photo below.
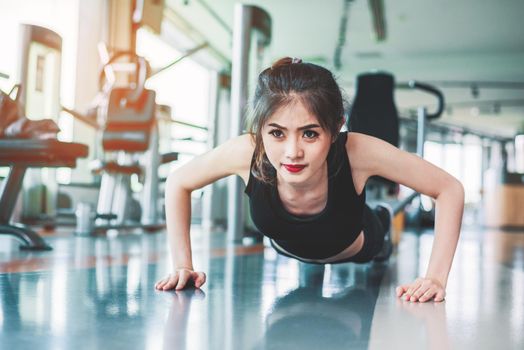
(347, 253)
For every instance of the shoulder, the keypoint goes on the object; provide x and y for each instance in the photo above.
(243, 147)
(365, 151)
(358, 149)
(372, 156)
(248, 140)
(239, 150)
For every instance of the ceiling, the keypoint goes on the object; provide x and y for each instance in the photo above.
(436, 41)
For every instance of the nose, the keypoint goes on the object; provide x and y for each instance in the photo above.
(294, 150)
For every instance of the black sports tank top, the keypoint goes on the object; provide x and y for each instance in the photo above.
(317, 236)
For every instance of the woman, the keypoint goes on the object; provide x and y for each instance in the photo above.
(306, 183)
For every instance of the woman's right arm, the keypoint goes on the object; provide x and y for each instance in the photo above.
(232, 157)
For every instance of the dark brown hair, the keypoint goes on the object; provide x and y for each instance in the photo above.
(287, 81)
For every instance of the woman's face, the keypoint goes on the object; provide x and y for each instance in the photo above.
(295, 144)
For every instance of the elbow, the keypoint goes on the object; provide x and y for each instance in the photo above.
(453, 188)
(172, 178)
(461, 193)
(173, 182)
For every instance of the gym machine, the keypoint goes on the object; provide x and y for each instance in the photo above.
(128, 133)
(374, 113)
(19, 155)
(27, 143)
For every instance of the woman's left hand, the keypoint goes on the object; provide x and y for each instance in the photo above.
(422, 289)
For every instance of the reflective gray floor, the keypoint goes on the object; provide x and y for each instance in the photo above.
(97, 293)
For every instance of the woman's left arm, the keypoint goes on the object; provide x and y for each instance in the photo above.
(378, 157)
(448, 217)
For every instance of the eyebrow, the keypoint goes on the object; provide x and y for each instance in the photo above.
(305, 127)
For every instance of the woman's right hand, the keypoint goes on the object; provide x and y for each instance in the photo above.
(180, 279)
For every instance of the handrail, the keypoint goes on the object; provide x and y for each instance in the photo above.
(175, 121)
(178, 59)
(83, 118)
(413, 84)
(440, 126)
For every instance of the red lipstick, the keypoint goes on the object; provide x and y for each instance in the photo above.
(293, 168)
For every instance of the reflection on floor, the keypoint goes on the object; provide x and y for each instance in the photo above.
(91, 293)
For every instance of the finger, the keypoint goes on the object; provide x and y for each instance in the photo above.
(411, 289)
(171, 283)
(414, 287)
(441, 294)
(182, 280)
(200, 280)
(401, 290)
(423, 288)
(157, 284)
(429, 294)
(160, 284)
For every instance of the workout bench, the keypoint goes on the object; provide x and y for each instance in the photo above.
(20, 154)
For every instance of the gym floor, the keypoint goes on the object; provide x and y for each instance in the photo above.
(97, 293)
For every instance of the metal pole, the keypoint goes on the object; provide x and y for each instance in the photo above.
(421, 137)
(151, 163)
(241, 43)
(421, 130)
(9, 190)
(247, 19)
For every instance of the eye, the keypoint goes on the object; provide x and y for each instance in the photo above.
(276, 133)
(310, 134)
